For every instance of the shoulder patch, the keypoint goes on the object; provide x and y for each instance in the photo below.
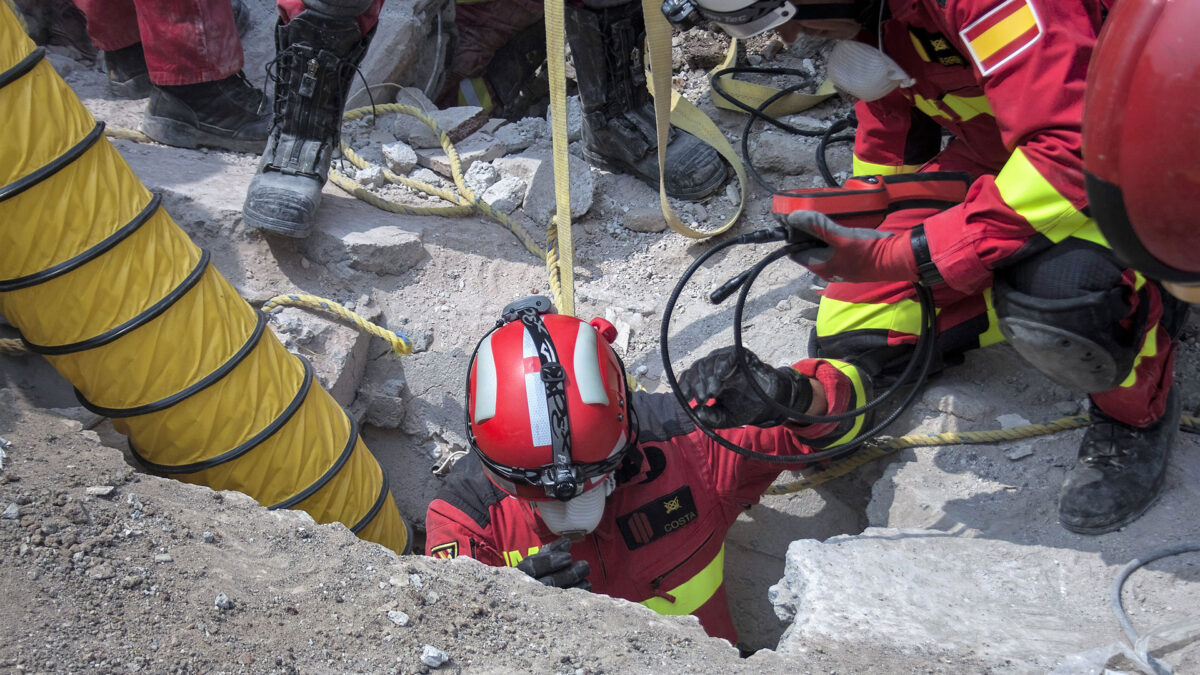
(445, 551)
(1002, 34)
(658, 518)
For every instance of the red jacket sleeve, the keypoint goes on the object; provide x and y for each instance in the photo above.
(1031, 56)
(742, 480)
(450, 533)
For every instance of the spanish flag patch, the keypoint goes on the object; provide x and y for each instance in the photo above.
(1002, 34)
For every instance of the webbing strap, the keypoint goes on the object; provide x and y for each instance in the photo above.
(560, 258)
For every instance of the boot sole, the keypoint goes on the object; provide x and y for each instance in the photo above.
(180, 135)
(613, 166)
(1112, 527)
(273, 226)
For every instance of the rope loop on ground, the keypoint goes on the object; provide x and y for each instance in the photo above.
(400, 344)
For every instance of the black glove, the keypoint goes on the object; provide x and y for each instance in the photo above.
(552, 565)
(722, 397)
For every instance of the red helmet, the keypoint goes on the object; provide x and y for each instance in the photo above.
(1141, 136)
(547, 404)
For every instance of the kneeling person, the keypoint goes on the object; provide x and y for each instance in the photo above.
(578, 481)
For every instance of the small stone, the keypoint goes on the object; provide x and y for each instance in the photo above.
(433, 657)
(209, 538)
(11, 512)
(101, 572)
(397, 617)
(223, 602)
(100, 490)
(163, 558)
(1020, 452)
(131, 581)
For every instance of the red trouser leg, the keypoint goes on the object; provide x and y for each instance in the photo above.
(189, 41)
(366, 20)
(186, 41)
(111, 24)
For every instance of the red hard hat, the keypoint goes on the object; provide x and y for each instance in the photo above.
(1141, 136)
(547, 408)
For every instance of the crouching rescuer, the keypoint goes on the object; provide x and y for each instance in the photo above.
(1020, 258)
(582, 483)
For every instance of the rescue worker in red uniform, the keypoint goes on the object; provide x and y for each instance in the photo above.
(1020, 258)
(320, 43)
(565, 456)
(187, 57)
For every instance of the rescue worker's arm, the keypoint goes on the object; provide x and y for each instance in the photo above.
(459, 521)
(893, 137)
(1032, 56)
(836, 387)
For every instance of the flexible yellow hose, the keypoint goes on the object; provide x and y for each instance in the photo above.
(100, 281)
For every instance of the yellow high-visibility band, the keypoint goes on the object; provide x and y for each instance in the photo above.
(693, 593)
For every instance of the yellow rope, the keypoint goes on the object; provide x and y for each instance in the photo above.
(885, 445)
(13, 347)
(400, 344)
(465, 201)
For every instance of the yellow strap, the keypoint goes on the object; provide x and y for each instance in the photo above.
(675, 109)
(693, 593)
(754, 94)
(560, 253)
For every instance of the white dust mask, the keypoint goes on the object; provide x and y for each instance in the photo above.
(864, 72)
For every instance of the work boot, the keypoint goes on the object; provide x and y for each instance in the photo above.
(1119, 471)
(619, 131)
(227, 114)
(316, 58)
(127, 73)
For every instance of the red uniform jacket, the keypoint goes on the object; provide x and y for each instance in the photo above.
(1006, 79)
(661, 541)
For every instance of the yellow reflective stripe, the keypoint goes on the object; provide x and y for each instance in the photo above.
(838, 316)
(1149, 350)
(919, 47)
(1033, 197)
(693, 593)
(512, 558)
(992, 335)
(967, 107)
(860, 399)
(474, 91)
(928, 107)
(864, 168)
(999, 36)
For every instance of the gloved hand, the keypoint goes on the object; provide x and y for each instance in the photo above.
(552, 565)
(722, 396)
(853, 254)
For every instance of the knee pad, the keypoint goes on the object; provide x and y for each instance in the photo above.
(1076, 342)
(342, 9)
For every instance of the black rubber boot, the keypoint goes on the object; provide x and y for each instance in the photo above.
(227, 114)
(316, 58)
(1119, 471)
(127, 73)
(618, 112)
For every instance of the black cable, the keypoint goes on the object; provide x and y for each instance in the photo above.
(924, 355)
(757, 113)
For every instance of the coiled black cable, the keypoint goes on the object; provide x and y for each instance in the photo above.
(923, 354)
